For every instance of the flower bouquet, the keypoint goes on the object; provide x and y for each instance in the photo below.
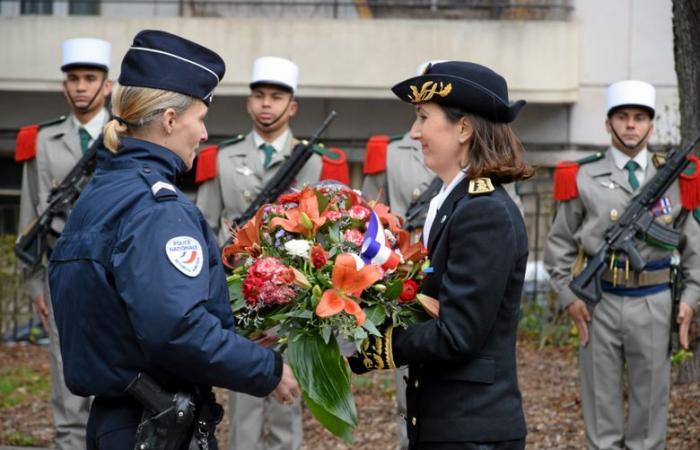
(323, 267)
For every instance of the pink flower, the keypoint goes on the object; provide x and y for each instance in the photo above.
(269, 268)
(333, 216)
(359, 212)
(353, 236)
(268, 283)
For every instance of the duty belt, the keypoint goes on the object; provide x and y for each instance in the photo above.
(623, 279)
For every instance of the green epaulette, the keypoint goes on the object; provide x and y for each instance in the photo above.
(395, 137)
(53, 121)
(231, 141)
(590, 158)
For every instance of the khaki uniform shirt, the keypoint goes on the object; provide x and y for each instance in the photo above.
(240, 177)
(604, 193)
(58, 150)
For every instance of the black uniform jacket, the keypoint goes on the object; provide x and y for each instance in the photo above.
(462, 384)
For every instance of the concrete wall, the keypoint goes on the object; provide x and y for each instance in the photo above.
(337, 58)
(624, 39)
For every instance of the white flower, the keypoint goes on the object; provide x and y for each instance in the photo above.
(298, 247)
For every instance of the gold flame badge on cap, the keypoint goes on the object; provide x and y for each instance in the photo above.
(428, 91)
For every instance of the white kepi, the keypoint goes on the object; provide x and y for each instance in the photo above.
(631, 93)
(276, 71)
(86, 52)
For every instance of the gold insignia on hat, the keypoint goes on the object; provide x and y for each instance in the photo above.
(479, 186)
(428, 90)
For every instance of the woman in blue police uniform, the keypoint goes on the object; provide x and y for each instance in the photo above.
(462, 386)
(136, 275)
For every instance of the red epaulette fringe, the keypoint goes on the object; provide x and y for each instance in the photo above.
(565, 180)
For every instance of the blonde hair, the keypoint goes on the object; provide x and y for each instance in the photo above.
(136, 107)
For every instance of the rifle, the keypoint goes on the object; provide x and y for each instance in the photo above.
(418, 209)
(284, 177)
(31, 244)
(636, 220)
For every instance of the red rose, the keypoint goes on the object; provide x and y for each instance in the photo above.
(318, 256)
(409, 291)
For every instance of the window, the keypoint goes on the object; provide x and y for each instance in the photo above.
(83, 7)
(36, 7)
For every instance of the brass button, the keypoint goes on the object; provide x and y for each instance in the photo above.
(413, 421)
(415, 384)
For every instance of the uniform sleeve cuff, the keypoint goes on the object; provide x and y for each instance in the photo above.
(566, 297)
(35, 287)
(279, 364)
(690, 297)
(399, 360)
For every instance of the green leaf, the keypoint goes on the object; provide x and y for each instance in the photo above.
(369, 326)
(330, 422)
(334, 234)
(324, 378)
(301, 314)
(393, 290)
(323, 201)
(376, 313)
(326, 333)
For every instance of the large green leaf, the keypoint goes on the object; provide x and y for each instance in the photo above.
(325, 380)
(329, 421)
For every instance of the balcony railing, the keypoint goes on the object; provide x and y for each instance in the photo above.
(339, 9)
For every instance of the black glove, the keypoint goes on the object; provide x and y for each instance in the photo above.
(376, 354)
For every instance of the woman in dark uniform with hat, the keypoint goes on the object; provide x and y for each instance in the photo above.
(137, 279)
(462, 386)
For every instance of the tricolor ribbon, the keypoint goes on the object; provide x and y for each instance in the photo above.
(374, 248)
(662, 207)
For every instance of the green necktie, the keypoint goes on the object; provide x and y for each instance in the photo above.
(84, 139)
(269, 150)
(631, 167)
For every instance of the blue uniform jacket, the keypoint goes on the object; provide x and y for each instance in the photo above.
(137, 285)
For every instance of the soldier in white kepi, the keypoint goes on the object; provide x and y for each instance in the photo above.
(49, 151)
(627, 333)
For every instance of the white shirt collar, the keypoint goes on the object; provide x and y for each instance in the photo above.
(437, 202)
(621, 159)
(278, 143)
(94, 126)
(446, 190)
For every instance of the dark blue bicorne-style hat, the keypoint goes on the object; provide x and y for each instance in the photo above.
(165, 61)
(468, 86)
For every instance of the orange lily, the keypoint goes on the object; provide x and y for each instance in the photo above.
(410, 251)
(246, 239)
(347, 282)
(387, 218)
(303, 220)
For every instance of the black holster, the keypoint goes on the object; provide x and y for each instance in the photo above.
(174, 421)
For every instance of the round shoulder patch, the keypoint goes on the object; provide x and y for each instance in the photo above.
(185, 253)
